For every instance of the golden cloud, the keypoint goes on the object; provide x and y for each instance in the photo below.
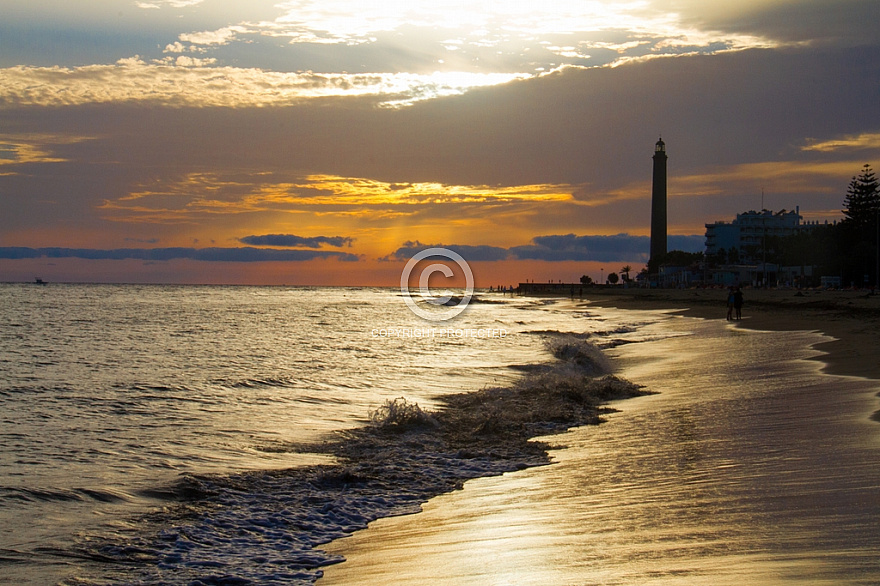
(190, 82)
(18, 149)
(791, 176)
(201, 195)
(864, 141)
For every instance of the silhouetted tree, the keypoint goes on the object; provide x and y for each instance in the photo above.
(586, 280)
(847, 249)
(858, 231)
(717, 259)
(862, 200)
(613, 278)
(751, 253)
(625, 271)
(816, 246)
(680, 258)
(673, 258)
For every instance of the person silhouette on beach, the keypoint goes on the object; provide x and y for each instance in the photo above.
(730, 300)
(738, 302)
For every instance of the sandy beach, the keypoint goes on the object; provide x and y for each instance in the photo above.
(851, 317)
(754, 463)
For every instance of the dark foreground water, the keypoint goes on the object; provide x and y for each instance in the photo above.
(116, 401)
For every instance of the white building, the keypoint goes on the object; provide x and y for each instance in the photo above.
(747, 232)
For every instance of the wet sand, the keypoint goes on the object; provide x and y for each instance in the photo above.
(851, 317)
(755, 464)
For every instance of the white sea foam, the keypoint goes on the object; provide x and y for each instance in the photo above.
(110, 393)
(266, 527)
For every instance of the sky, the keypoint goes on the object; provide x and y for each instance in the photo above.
(325, 142)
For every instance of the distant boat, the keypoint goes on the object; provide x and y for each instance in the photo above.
(39, 281)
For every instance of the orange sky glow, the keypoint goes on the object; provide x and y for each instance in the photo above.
(320, 144)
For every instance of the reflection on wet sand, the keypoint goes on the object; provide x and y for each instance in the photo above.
(750, 467)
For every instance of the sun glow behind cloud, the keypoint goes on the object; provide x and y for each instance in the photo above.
(157, 4)
(289, 139)
(186, 81)
(347, 22)
(203, 195)
(477, 44)
(484, 21)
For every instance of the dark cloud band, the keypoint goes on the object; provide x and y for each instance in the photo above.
(567, 247)
(160, 254)
(292, 241)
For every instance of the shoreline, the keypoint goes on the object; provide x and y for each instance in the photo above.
(713, 480)
(403, 458)
(852, 318)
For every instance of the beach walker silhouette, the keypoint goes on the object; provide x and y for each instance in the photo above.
(738, 302)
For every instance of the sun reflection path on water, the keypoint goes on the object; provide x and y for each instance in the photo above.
(750, 467)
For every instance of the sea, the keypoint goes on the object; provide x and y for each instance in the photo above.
(116, 398)
(172, 435)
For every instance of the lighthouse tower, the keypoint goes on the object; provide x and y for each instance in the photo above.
(658, 204)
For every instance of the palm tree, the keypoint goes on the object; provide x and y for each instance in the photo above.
(625, 271)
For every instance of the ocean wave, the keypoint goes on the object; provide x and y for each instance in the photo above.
(266, 527)
(602, 339)
(253, 383)
(62, 495)
(580, 352)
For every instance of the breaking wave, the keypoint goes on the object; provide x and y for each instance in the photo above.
(266, 527)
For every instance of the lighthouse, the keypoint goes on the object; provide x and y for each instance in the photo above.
(658, 204)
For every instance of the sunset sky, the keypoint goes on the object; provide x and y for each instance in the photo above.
(325, 142)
